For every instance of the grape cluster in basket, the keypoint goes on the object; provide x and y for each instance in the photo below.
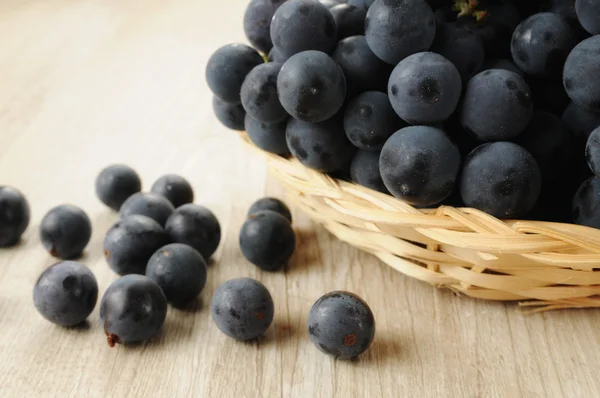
(160, 247)
(491, 104)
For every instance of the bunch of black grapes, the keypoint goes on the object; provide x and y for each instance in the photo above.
(489, 104)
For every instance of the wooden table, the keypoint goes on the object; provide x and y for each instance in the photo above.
(87, 83)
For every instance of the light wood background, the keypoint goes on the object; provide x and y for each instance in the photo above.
(85, 83)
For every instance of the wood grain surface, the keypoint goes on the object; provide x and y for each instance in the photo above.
(87, 83)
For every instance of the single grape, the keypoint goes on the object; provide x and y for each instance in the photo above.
(175, 188)
(501, 179)
(275, 55)
(592, 151)
(350, 20)
(580, 121)
(565, 9)
(230, 115)
(581, 74)
(364, 170)
(227, 68)
(425, 88)
(586, 203)
(362, 69)
(272, 204)
(369, 120)
(14, 215)
(259, 94)
(501, 63)
(588, 13)
(496, 105)
(320, 146)
(268, 137)
(419, 164)
(196, 226)
(311, 86)
(540, 44)
(65, 231)
(460, 46)
(396, 29)
(302, 25)
(116, 183)
(364, 4)
(150, 204)
(547, 138)
(257, 23)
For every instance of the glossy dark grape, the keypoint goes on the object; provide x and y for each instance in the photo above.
(230, 115)
(267, 240)
(196, 226)
(419, 164)
(14, 215)
(581, 74)
(301, 25)
(396, 29)
(362, 69)
(364, 170)
(242, 308)
(148, 204)
(272, 204)
(65, 231)
(541, 43)
(501, 63)
(259, 94)
(586, 204)
(179, 270)
(175, 188)
(588, 13)
(311, 86)
(133, 309)
(130, 242)
(547, 138)
(66, 293)
(257, 23)
(116, 183)
(320, 146)
(501, 179)
(369, 120)
(425, 88)
(227, 68)
(496, 105)
(341, 324)
(592, 151)
(268, 137)
(350, 20)
(461, 46)
(580, 121)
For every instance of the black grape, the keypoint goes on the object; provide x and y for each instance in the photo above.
(301, 25)
(268, 137)
(320, 146)
(230, 115)
(592, 151)
(586, 204)
(581, 74)
(259, 94)
(396, 29)
(549, 95)
(350, 20)
(419, 164)
(275, 55)
(364, 170)
(227, 68)
(501, 179)
(311, 86)
(548, 140)
(257, 23)
(580, 121)
(565, 9)
(501, 63)
(540, 44)
(369, 120)
(588, 13)
(363, 70)
(497, 105)
(425, 88)
(364, 4)
(461, 47)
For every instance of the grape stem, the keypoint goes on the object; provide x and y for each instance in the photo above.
(469, 8)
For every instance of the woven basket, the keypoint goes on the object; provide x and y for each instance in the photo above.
(544, 265)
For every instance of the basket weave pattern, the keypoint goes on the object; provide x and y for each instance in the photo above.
(545, 265)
